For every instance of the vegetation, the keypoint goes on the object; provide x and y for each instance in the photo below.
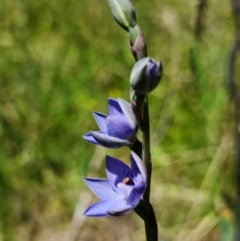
(59, 60)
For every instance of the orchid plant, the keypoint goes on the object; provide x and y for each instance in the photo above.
(127, 188)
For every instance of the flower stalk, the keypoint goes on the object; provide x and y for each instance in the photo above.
(141, 111)
(125, 185)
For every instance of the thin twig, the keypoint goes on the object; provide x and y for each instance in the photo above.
(232, 85)
(200, 17)
(234, 94)
(207, 183)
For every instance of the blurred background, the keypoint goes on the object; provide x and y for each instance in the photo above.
(61, 59)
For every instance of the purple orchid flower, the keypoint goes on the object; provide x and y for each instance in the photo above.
(116, 129)
(121, 192)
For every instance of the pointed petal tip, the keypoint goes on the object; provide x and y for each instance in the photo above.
(141, 165)
(128, 112)
(109, 141)
(96, 215)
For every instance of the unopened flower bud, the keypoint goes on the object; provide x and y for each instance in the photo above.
(145, 75)
(124, 13)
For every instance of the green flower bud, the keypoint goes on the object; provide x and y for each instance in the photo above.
(145, 75)
(124, 13)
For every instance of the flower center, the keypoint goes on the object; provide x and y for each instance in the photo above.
(128, 181)
(126, 185)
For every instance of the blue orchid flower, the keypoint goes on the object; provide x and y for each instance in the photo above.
(123, 189)
(116, 129)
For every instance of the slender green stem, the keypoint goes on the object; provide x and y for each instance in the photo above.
(139, 50)
(146, 149)
(145, 211)
(151, 227)
(150, 223)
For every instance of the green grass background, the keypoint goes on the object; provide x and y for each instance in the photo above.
(61, 59)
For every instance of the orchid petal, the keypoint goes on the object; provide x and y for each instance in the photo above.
(136, 194)
(116, 171)
(138, 165)
(101, 120)
(127, 111)
(109, 141)
(118, 126)
(101, 188)
(101, 209)
(89, 137)
(114, 107)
